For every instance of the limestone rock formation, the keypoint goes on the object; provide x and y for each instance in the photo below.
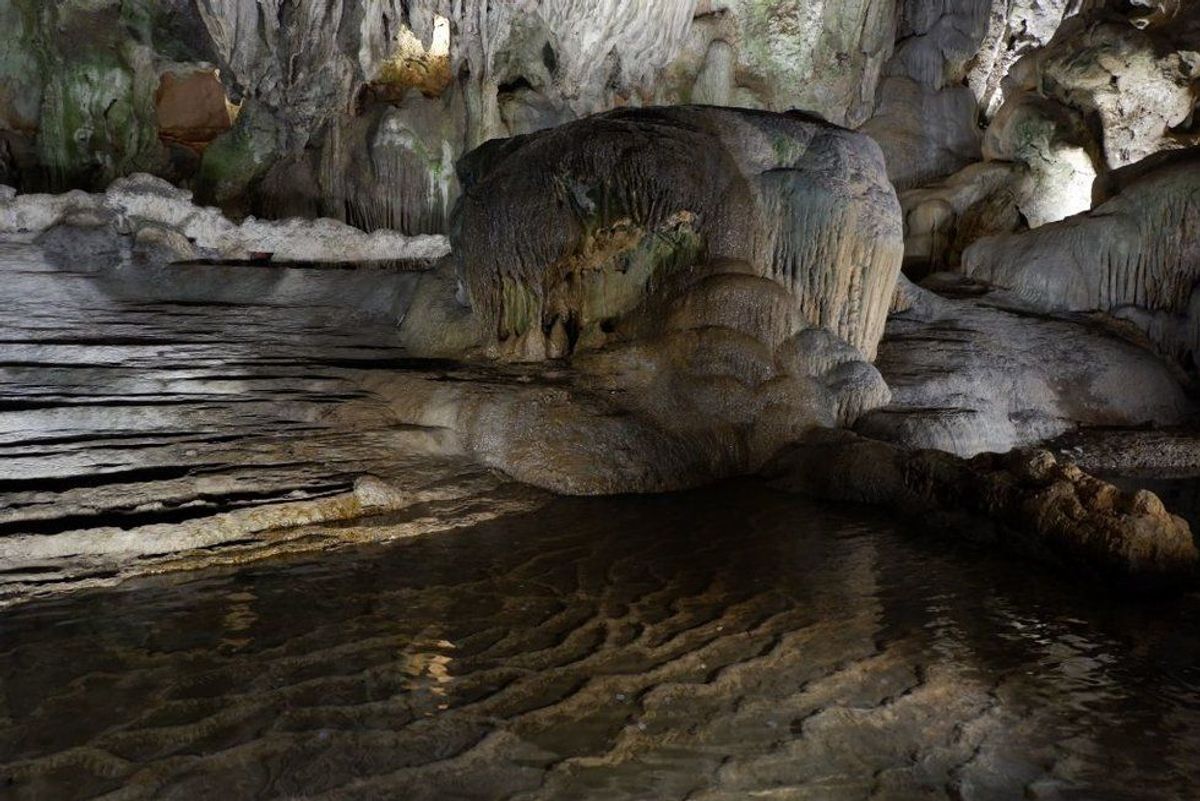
(944, 218)
(572, 228)
(945, 78)
(358, 109)
(779, 54)
(1065, 93)
(707, 283)
(1136, 82)
(1134, 257)
(1055, 147)
(1024, 502)
(973, 375)
(149, 210)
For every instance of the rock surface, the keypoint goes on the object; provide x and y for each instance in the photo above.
(577, 225)
(1136, 257)
(1038, 507)
(987, 374)
(943, 219)
(708, 316)
(156, 418)
(390, 92)
(1134, 79)
(945, 79)
(148, 210)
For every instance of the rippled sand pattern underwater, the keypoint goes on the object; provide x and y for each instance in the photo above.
(724, 644)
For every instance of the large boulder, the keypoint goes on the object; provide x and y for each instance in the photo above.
(575, 226)
(687, 290)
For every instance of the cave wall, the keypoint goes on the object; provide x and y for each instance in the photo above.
(358, 109)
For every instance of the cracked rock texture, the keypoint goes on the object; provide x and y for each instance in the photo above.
(156, 417)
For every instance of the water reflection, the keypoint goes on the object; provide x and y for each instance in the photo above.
(716, 645)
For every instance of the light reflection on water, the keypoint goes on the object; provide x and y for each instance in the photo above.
(713, 645)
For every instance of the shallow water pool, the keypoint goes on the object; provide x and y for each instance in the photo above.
(730, 643)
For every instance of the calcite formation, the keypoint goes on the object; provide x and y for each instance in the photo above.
(572, 228)
(946, 78)
(144, 209)
(1134, 257)
(989, 374)
(706, 283)
(358, 109)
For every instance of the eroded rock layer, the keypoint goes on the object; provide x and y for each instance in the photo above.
(987, 373)
(1024, 501)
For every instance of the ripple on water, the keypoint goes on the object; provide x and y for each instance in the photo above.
(720, 644)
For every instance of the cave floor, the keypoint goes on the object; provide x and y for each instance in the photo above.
(729, 643)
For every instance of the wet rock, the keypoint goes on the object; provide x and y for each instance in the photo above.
(192, 108)
(1035, 506)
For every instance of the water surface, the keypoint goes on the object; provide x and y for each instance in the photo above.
(731, 643)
